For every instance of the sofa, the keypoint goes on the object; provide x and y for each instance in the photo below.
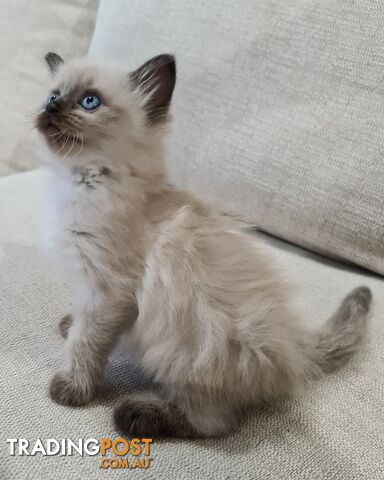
(278, 119)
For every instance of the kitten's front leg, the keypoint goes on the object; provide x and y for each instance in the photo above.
(90, 340)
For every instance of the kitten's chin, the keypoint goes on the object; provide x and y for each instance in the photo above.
(60, 141)
(63, 145)
(45, 125)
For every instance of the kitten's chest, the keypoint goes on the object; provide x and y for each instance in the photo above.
(93, 235)
(72, 207)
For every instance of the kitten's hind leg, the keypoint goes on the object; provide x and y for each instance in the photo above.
(150, 414)
(64, 325)
(147, 414)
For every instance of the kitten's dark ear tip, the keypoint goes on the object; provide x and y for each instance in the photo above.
(53, 61)
(156, 77)
(166, 60)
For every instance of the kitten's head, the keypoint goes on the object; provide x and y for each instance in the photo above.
(90, 107)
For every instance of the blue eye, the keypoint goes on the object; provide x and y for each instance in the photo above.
(90, 102)
(53, 97)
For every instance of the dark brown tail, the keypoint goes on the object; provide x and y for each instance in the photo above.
(343, 332)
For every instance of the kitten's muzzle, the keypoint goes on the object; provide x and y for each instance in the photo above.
(52, 107)
(53, 125)
(45, 123)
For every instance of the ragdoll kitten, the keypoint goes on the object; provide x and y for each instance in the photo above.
(202, 305)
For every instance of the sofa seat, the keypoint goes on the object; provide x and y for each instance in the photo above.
(333, 431)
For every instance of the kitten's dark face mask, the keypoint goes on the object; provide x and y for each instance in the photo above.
(61, 124)
(77, 115)
(74, 112)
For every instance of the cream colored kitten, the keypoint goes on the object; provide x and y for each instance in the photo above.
(202, 304)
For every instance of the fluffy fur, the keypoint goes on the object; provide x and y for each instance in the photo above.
(202, 305)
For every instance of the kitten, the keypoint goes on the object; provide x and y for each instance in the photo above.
(202, 305)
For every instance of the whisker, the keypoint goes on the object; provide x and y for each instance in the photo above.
(67, 137)
(70, 148)
(56, 140)
(60, 132)
(82, 143)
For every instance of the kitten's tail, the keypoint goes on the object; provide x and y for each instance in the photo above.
(342, 333)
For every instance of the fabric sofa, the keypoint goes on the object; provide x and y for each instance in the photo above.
(298, 154)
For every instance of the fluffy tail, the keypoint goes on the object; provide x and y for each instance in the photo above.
(343, 332)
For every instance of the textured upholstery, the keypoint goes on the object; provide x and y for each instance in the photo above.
(279, 110)
(28, 30)
(333, 432)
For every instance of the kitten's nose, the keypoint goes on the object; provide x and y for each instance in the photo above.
(52, 107)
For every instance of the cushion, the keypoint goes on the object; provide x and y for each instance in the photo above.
(334, 431)
(28, 31)
(279, 110)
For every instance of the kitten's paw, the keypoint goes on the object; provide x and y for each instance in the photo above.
(141, 414)
(64, 390)
(64, 325)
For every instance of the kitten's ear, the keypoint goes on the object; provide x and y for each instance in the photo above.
(53, 61)
(156, 80)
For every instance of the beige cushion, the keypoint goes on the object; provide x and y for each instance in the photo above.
(279, 110)
(333, 432)
(28, 31)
